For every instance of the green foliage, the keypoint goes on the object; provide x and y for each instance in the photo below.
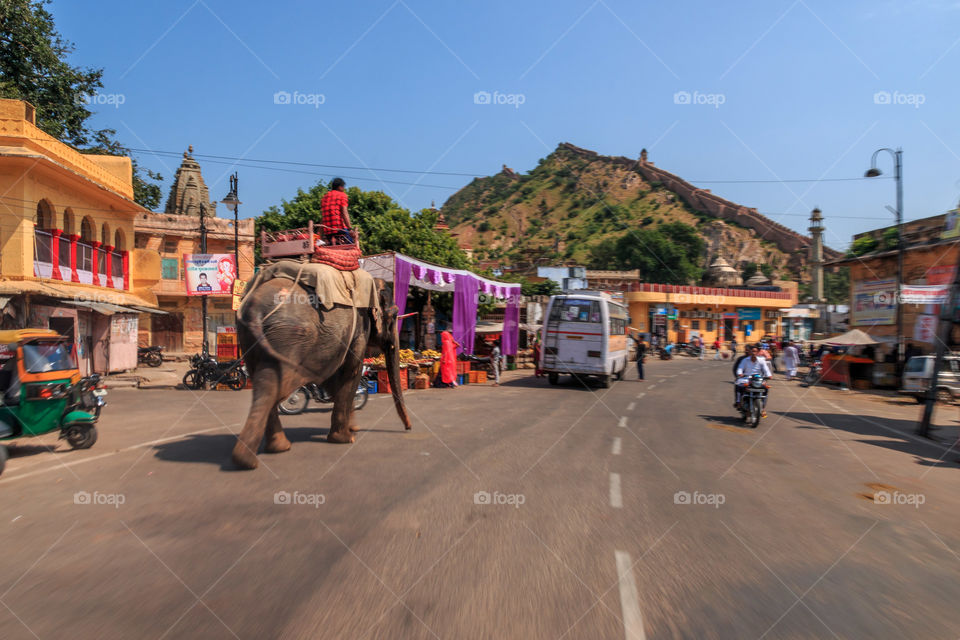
(383, 225)
(836, 286)
(863, 245)
(751, 268)
(34, 67)
(890, 238)
(483, 226)
(669, 253)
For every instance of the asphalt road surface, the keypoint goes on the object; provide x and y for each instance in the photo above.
(524, 511)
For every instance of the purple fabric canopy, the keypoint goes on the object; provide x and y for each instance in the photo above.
(511, 324)
(401, 286)
(465, 311)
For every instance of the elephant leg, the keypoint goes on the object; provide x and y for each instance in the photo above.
(344, 388)
(266, 381)
(276, 441)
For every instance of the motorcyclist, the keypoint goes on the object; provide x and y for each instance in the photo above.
(747, 368)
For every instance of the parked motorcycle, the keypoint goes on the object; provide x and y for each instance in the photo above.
(297, 401)
(207, 370)
(814, 374)
(150, 356)
(751, 400)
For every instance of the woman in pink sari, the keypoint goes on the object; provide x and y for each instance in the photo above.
(448, 359)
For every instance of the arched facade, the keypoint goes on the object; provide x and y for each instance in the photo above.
(105, 234)
(68, 222)
(45, 215)
(119, 241)
(86, 230)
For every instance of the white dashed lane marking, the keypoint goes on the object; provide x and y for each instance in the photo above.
(616, 500)
(641, 394)
(617, 443)
(631, 406)
(629, 598)
(623, 422)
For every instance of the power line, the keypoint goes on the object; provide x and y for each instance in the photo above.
(231, 160)
(309, 164)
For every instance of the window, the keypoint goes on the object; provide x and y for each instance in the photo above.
(170, 246)
(170, 269)
(695, 324)
(571, 310)
(141, 242)
(618, 326)
(709, 325)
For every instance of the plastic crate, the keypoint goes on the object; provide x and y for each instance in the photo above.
(472, 376)
(371, 386)
(463, 367)
(481, 377)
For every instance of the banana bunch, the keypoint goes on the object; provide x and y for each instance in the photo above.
(430, 353)
(406, 355)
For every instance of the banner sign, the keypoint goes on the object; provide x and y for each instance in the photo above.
(209, 274)
(924, 294)
(874, 302)
(239, 286)
(925, 329)
(749, 313)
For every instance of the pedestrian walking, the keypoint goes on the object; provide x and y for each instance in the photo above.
(701, 348)
(495, 360)
(716, 349)
(791, 359)
(641, 355)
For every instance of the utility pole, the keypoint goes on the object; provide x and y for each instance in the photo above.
(944, 329)
(203, 298)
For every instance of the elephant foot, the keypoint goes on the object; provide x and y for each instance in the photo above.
(244, 458)
(354, 428)
(277, 444)
(340, 437)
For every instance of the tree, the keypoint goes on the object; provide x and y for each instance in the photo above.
(383, 225)
(670, 253)
(862, 245)
(33, 68)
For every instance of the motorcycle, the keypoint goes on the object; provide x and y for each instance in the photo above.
(814, 374)
(751, 400)
(296, 403)
(207, 370)
(665, 353)
(150, 356)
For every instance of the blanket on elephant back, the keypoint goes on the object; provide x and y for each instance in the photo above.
(331, 286)
(345, 257)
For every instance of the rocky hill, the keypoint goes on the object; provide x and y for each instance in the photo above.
(574, 199)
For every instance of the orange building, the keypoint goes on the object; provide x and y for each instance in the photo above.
(67, 260)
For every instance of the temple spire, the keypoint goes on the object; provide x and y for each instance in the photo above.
(189, 190)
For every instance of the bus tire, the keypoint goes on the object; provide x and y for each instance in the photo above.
(605, 381)
(553, 378)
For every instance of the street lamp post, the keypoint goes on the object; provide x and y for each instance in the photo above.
(873, 172)
(203, 298)
(233, 204)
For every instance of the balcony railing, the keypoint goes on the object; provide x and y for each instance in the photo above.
(54, 256)
(649, 287)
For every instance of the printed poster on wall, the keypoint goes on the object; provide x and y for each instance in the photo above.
(925, 329)
(209, 274)
(874, 302)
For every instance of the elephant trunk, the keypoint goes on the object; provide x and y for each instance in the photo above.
(391, 356)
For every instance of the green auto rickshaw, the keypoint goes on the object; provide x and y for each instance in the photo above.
(41, 390)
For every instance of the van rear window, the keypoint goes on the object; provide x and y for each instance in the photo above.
(915, 365)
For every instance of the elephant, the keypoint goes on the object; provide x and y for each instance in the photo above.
(287, 342)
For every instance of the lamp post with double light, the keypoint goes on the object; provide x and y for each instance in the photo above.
(232, 202)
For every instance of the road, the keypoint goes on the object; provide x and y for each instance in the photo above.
(524, 511)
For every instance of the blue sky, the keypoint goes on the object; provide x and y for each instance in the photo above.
(778, 90)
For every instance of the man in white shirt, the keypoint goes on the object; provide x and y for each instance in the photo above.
(748, 367)
(791, 359)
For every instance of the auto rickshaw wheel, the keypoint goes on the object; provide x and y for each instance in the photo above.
(4, 454)
(81, 436)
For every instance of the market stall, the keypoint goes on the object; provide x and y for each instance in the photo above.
(851, 368)
(466, 287)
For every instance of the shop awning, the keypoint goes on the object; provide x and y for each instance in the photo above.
(148, 309)
(852, 338)
(467, 287)
(104, 308)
